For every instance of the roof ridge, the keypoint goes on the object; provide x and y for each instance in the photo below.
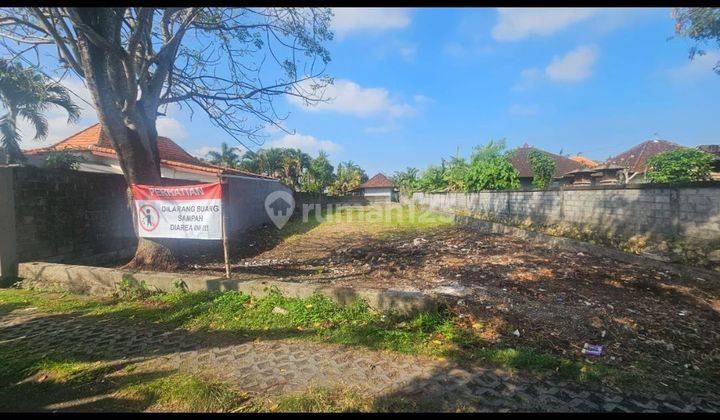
(78, 133)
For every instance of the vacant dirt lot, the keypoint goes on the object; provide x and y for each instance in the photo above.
(519, 294)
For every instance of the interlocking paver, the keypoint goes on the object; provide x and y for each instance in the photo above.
(284, 366)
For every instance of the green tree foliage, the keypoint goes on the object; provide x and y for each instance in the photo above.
(26, 93)
(227, 156)
(407, 180)
(455, 175)
(543, 168)
(490, 169)
(432, 179)
(318, 176)
(63, 160)
(286, 164)
(348, 176)
(702, 25)
(680, 165)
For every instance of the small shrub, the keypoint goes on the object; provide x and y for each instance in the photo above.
(63, 160)
(131, 289)
(543, 168)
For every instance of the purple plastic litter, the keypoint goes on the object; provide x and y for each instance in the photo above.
(592, 349)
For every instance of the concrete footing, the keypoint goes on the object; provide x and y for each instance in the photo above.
(100, 281)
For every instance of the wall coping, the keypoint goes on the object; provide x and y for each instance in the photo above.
(644, 186)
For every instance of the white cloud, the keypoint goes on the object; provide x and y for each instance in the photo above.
(574, 66)
(524, 110)
(171, 128)
(203, 151)
(306, 143)
(358, 19)
(408, 51)
(422, 99)
(514, 24)
(528, 79)
(347, 97)
(700, 66)
(383, 129)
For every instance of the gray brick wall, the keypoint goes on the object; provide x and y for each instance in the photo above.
(691, 213)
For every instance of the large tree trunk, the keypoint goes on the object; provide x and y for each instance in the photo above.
(128, 123)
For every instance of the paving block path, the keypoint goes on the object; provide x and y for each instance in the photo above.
(280, 366)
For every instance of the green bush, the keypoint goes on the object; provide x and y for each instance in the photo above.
(432, 179)
(543, 167)
(63, 160)
(680, 165)
(490, 169)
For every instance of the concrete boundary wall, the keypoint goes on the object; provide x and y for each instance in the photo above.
(688, 212)
(99, 281)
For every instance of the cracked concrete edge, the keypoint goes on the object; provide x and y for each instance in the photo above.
(100, 281)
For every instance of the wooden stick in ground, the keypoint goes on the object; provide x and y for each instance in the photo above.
(224, 228)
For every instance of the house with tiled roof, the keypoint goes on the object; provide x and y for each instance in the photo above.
(588, 163)
(629, 166)
(378, 188)
(520, 159)
(97, 155)
(634, 160)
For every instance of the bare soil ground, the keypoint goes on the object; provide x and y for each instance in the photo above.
(650, 322)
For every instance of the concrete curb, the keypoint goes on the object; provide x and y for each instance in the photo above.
(99, 281)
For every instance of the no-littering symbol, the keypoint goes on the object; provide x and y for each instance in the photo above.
(149, 217)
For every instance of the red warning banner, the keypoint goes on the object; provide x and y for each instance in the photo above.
(188, 211)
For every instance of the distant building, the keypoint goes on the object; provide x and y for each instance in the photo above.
(378, 189)
(521, 161)
(94, 148)
(629, 166)
(588, 163)
(634, 160)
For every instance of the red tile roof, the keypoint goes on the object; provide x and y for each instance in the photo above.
(521, 161)
(588, 163)
(635, 159)
(93, 139)
(378, 181)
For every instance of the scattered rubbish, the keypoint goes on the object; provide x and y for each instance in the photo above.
(592, 349)
(279, 310)
(602, 334)
(516, 333)
(683, 313)
(580, 254)
(419, 241)
(559, 300)
(461, 302)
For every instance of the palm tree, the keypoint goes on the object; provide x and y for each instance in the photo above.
(26, 93)
(225, 157)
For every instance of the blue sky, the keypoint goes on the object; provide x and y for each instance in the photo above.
(414, 85)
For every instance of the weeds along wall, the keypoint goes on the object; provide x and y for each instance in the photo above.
(683, 214)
